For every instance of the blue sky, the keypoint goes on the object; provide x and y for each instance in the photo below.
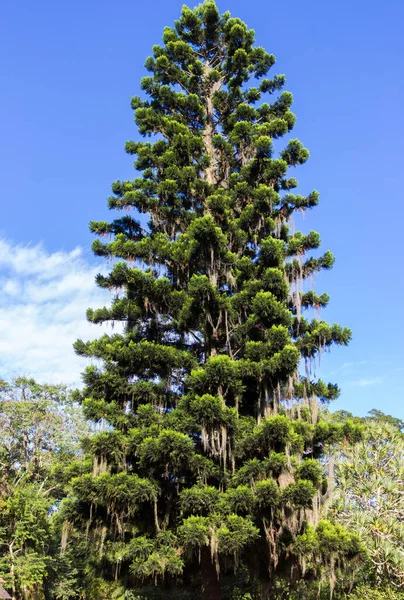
(68, 71)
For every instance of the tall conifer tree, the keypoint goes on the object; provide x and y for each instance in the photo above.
(209, 464)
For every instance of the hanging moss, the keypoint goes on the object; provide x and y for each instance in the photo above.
(212, 434)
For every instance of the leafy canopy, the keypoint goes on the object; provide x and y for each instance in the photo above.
(209, 459)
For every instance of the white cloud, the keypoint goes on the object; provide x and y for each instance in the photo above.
(367, 382)
(347, 367)
(42, 311)
(10, 287)
(354, 364)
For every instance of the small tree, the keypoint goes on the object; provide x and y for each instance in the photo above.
(201, 469)
(370, 496)
(40, 432)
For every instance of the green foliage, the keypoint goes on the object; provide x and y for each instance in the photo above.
(310, 470)
(235, 534)
(41, 429)
(156, 558)
(299, 495)
(371, 593)
(211, 435)
(369, 494)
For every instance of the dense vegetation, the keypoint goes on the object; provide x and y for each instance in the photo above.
(211, 462)
(369, 496)
(211, 467)
(40, 456)
(41, 429)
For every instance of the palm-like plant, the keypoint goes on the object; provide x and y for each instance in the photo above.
(369, 496)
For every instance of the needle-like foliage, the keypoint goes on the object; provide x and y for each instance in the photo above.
(209, 463)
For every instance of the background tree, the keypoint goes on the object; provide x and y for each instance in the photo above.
(369, 496)
(40, 435)
(371, 593)
(209, 461)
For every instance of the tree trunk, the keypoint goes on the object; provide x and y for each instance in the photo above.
(12, 573)
(211, 589)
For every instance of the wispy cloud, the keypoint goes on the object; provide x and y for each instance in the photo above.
(367, 382)
(43, 300)
(347, 367)
(42, 311)
(353, 365)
